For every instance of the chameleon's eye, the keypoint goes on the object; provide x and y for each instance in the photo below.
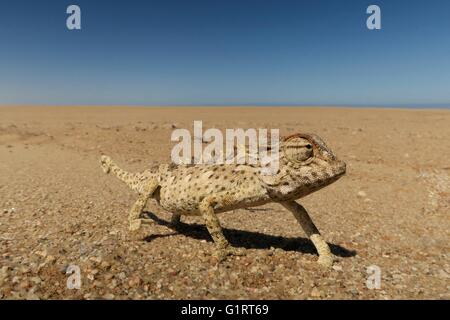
(298, 150)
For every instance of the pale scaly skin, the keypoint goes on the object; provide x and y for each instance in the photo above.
(306, 165)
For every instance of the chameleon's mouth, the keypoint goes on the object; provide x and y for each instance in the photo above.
(340, 168)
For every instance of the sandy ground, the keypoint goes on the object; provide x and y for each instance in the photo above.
(57, 208)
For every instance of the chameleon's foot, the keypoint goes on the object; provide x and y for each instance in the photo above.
(175, 220)
(222, 253)
(136, 224)
(325, 261)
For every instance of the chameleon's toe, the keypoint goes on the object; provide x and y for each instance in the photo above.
(232, 251)
(222, 253)
(135, 225)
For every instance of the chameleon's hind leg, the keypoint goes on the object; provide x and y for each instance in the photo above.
(175, 220)
(135, 212)
(300, 213)
(223, 248)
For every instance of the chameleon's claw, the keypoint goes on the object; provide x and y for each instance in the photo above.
(222, 253)
(147, 221)
(135, 224)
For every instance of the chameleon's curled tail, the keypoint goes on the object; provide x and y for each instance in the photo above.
(108, 166)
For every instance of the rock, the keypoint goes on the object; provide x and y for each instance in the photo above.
(316, 293)
(113, 284)
(97, 260)
(443, 275)
(25, 284)
(134, 281)
(11, 210)
(361, 194)
(109, 296)
(354, 292)
(337, 268)
(32, 296)
(50, 259)
(4, 271)
(63, 268)
(36, 280)
(42, 253)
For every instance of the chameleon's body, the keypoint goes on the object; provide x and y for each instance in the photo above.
(306, 164)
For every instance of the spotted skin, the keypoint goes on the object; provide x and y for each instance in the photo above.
(306, 165)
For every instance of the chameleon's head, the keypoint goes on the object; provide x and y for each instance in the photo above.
(307, 157)
(305, 165)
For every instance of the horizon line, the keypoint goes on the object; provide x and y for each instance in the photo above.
(356, 106)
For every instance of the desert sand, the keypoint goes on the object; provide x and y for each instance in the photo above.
(57, 208)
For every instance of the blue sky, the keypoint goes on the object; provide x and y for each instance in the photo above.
(192, 52)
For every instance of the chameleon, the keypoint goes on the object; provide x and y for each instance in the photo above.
(305, 165)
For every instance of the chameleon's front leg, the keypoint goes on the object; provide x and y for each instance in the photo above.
(300, 213)
(135, 212)
(223, 248)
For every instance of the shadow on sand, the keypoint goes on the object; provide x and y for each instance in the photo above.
(246, 239)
